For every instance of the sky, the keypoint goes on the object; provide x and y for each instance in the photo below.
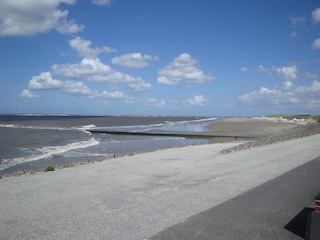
(142, 57)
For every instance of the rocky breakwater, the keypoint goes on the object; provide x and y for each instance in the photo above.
(298, 131)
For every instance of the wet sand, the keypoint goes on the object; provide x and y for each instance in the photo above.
(248, 127)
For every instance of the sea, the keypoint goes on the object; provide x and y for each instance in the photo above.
(32, 142)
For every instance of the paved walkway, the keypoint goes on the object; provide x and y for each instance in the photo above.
(139, 196)
(275, 210)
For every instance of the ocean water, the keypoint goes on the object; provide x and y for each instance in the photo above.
(36, 141)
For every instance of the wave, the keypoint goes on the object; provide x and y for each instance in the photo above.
(7, 125)
(191, 121)
(34, 127)
(81, 128)
(150, 127)
(85, 128)
(48, 151)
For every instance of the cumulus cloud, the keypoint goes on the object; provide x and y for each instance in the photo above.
(95, 70)
(316, 15)
(90, 69)
(198, 100)
(316, 44)
(266, 96)
(134, 60)
(287, 73)
(287, 84)
(261, 69)
(182, 69)
(139, 86)
(45, 81)
(78, 89)
(27, 18)
(83, 47)
(26, 93)
(314, 88)
(304, 97)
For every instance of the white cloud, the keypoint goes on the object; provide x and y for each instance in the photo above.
(116, 94)
(293, 34)
(134, 60)
(44, 81)
(198, 100)
(265, 97)
(296, 21)
(84, 50)
(27, 18)
(102, 2)
(303, 97)
(316, 44)
(261, 69)
(91, 69)
(244, 69)
(95, 70)
(182, 69)
(287, 84)
(78, 89)
(66, 27)
(314, 88)
(156, 102)
(287, 73)
(310, 75)
(26, 93)
(316, 15)
(139, 86)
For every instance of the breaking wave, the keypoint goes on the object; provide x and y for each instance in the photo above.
(47, 151)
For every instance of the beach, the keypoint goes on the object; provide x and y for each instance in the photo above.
(248, 127)
(31, 143)
(142, 196)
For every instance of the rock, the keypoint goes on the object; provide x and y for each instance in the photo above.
(288, 134)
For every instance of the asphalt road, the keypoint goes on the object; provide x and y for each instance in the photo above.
(277, 209)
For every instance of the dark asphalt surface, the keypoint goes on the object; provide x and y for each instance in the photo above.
(277, 209)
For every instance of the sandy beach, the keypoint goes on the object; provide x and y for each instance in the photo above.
(248, 127)
(137, 197)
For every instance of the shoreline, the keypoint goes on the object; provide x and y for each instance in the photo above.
(226, 130)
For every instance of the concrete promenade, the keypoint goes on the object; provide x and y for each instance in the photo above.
(142, 196)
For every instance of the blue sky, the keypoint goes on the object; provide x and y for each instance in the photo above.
(221, 57)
